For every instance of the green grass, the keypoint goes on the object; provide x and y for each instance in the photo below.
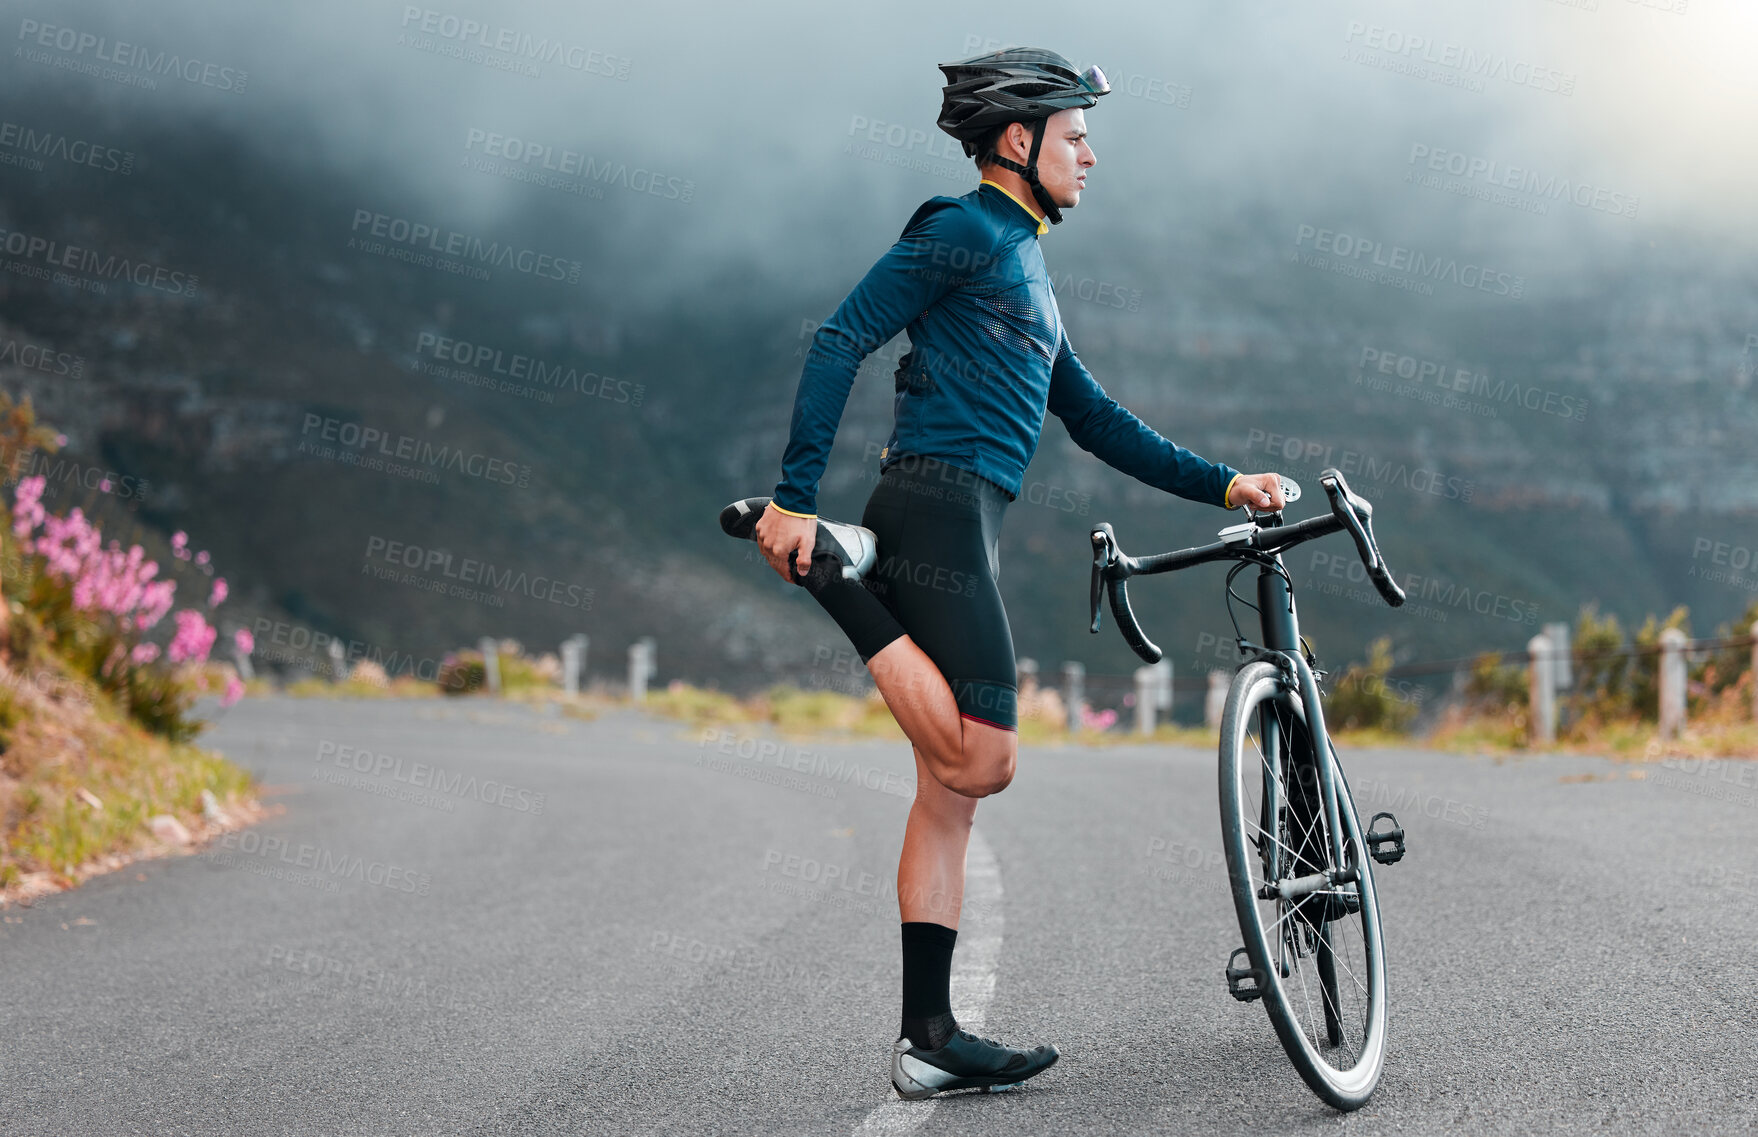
(55, 749)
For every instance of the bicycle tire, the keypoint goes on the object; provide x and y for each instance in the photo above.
(1326, 927)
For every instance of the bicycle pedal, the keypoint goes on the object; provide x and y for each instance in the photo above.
(1236, 977)
(1393, 835)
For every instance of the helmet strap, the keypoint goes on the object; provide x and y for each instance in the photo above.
(1029, 172)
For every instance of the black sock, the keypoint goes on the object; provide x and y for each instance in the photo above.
(927, 984)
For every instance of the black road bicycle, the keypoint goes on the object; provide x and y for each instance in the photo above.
(1301, 886)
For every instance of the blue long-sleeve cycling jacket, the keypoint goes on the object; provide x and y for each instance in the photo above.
(988, 356)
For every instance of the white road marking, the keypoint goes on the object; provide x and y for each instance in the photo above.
(974, 962)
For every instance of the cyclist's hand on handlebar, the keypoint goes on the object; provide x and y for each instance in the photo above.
(779, 534)
(1260, 491)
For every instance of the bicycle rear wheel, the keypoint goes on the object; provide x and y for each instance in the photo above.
(1319, 955)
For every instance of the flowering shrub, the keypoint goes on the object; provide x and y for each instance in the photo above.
(92, 603)
(1098, 720)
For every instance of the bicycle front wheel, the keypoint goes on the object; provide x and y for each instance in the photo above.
(1315, 945)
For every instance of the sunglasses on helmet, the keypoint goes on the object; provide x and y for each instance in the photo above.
(1094, 80)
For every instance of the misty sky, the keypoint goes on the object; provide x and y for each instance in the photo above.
(1295, 111)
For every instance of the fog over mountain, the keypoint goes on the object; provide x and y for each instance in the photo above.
(1508, 245)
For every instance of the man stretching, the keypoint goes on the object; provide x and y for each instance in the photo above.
(914, 585)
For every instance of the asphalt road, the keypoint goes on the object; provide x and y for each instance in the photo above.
(623, 927)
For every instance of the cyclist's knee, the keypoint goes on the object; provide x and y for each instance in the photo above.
(987, 767)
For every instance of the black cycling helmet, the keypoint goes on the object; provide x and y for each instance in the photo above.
(1016, 84)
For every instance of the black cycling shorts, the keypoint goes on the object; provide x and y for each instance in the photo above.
(939, 529)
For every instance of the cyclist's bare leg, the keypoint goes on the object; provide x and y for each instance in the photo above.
(969, 758)
(930, 871)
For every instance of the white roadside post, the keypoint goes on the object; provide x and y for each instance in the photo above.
(1215, 700)
(338, 662)
(1147, 698)
(1672, 682)
(1541, 691)
(1153, 695)
(1562, 672)
(573, 662)
(1074, 676)
(641, 667)
(491, 664)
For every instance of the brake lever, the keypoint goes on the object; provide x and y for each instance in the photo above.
(1104, 554)
(1356, 513)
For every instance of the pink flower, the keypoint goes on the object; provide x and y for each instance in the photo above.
(245, 642)
(28, 509)
(218, 596)
(234, 691)
(144, 653)
(193, 639)
(180, 545)
(201, 558)
(61, 440)
(1102, 720)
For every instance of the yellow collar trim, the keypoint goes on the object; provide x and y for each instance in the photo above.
(1043, 226)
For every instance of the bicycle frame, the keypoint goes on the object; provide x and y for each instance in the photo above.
(1280, 626)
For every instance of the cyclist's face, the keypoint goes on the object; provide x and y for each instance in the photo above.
(1065, 158)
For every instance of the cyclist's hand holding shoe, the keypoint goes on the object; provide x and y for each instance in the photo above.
(779, 534)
